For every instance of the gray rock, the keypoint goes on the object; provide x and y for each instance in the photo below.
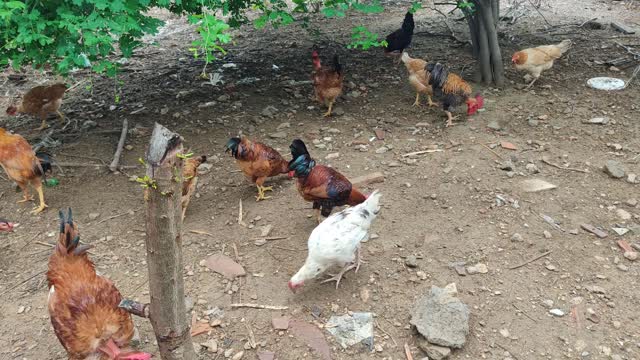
(339, 111)
(411, 261)
(382, 150)
(352, 329)
(269, 111)
(278, 135)
(597, 121)
(434, 352)
(224, 98)
(494, 125)
(532, 168)
(516, 237)
(89, 124)
(441, 318)
(284, 125)
(556, 312)
(93, 216)
(614, 169)
(632, 178)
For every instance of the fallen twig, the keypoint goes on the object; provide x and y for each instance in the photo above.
(13, 287)
(200, 232)
(546, 161)
(252, 337)
(386, 333)
(524, 313)
(115, 216)
(116, 157)
(240, 215)
(44, 243)
(407, 352)
(422, 152)
(530, 260)
(493, 152)
(259, 306)
(268, 238)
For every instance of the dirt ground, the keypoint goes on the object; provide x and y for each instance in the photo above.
(446, 208)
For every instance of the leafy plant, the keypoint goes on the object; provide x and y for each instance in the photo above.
(362, 38)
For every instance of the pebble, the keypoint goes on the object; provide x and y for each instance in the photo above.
(614, 169)
(211, 345)
(547, 235)
(21, 309)
(631, 255)
(479, 268)
(228, 352)
(278, 135)
(556, 312)
(623, 214)
(238, 356)
(631, 202)
(516, 237)
(421, 274)
(532, 168)
(597, 121)
(494, 125)
(332, 156)
(505, 333)
(622, 267)
(632, 178)
(411, 261)
(93, 216)
(547, 303)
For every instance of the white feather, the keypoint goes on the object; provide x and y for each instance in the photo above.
(334, 242)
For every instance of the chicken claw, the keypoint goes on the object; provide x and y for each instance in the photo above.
(39, 209)
(328, 113)
(359, 260)
(450, 119)
(261, 190)
(431, 103)
(26, 198)
(43, 126)
(417, 102)
(338, 277)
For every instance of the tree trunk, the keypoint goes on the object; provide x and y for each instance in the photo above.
(483, 23)
(164, 245)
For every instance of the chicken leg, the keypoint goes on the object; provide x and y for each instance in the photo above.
(328, 113)
(318, 216)
(431, 103)
(25, 194)
(450, 119)
(42, 205)
(417, 102)
(44, 125)
(261, 190)
(338, 277)
(531, 83)
(61, 115)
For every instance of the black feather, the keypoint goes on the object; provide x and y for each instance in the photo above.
(439, 74)
(232, 145)
(337, 67)
(401, 38)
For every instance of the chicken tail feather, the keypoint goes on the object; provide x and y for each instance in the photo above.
(69, 241)
(336, 64)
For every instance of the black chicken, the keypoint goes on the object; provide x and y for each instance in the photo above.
(400, 39)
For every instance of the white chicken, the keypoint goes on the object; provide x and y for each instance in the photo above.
(336, 242)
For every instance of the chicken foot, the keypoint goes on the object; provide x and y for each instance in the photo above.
(531, 83)
(430, 100)
(61, 115)
(261, 190)
(42, 205)
(354, 265)
(450, 119)
(328, 113)
(417, 102)
(25, 195)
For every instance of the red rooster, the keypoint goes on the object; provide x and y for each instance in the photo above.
(452, 91)
(327, 81)
(83, 306)
(322, 185)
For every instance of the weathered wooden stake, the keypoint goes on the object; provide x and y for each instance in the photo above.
(167, 310)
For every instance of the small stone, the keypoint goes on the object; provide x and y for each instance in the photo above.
(556, 312)
(623, 214)
(278, 135)
(614, 169)
(505, 333)
(382, 150)
(332, 156)
(617, 324)
(547, 235)
(631, 202)
(21, 309)
(597, 121)
(283, 125)
(379, 348)
(622, 267)
(339, 111)
(93, 216)
(228, 352)
(211, 345)
(532, 168)
(411, 261)
(238, 356)
(631, 255)
(516, 237)
(494, 125)
(434, 352)
(632, 178)
(479, 268)
(269, 111)
(280, 323)
(421, 275)
(547, 303)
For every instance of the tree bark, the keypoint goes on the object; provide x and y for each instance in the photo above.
(164, 246)
(482, 20)
(494, 46)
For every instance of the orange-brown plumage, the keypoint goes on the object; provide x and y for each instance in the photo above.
(418, 77)
(83, 306)
(41, 101)
(21, 165)
(322, 185)
(190, 179)
(538, 59)
(257, 161)
(327, 81)
(451, 90)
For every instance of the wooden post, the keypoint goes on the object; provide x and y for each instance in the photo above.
(164, 245)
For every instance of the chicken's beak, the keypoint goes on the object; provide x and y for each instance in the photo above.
(291, 173)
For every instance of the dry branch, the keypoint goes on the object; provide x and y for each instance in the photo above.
(116, 157)
(259, 306)
(530, 260)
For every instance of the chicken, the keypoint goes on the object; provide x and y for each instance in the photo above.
(41, 101)
(6, 225)
(452, 91)
(400, 39)
(22, 166)
(83, 306)
(336, 242)
(418, 78)
(322, 185)
(190, 180)
(327, 81)
(257, 161)
(536, 60)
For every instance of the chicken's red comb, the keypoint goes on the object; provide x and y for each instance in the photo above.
(480, 101)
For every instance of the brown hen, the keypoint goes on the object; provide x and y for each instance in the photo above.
(41, 101)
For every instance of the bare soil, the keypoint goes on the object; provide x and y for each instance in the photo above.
(450, 207)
